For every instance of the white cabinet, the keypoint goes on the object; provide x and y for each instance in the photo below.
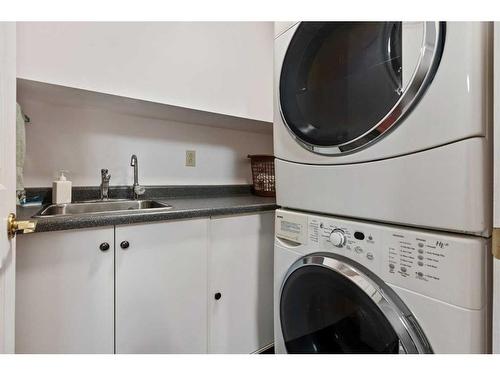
(221, 67)
(161, 287)
(65, 292)
(241, 271)
(152, 291)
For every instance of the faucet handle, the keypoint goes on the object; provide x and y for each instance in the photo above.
(105, 175)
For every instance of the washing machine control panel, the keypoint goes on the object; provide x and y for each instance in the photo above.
(422, 261)
(342, 238)
(413, 256)
(338, 238)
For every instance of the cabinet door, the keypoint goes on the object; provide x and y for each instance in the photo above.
(241, 270)
(64, 292)
(161, 287)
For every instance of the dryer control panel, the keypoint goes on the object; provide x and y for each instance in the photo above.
(448, 267)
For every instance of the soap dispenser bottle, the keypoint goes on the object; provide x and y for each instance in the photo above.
(61, 189)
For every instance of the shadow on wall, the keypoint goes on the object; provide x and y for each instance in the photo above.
(84, 140)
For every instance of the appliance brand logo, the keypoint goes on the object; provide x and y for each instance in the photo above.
(441, 244)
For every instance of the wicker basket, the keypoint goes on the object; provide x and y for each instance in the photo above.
(263, 175)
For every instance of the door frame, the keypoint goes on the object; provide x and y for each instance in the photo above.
(7, 183)
(496, 190)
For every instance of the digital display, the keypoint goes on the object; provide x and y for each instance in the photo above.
(359, 235)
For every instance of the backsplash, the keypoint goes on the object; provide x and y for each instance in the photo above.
(83, 140)
(85, 193)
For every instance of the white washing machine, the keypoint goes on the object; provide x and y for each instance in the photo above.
(386, 121)
(345, 286)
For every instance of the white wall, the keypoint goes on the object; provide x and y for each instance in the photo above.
(84, 140)
(222, 67)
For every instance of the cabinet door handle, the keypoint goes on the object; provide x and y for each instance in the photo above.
(124, 244)
(104, 246)
(218, 296)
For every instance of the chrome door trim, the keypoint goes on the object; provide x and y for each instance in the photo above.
(432, 48)
(412, 339)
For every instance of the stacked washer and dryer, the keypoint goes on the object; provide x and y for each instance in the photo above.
(382, 137)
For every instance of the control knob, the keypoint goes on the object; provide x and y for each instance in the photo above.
(337, 238)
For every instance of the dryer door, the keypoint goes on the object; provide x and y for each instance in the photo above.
(344, 84)
(330, 304)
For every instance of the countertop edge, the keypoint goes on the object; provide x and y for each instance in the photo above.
(101, 220)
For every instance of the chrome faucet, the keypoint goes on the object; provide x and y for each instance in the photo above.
(137, 189)
(105, 176)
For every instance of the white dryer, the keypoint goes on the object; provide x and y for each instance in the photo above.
(386, 121)
(345, 286)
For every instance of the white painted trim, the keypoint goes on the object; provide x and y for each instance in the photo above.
(496, 186)
(7, 183)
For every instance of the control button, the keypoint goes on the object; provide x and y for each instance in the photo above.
(420, 244)
(337, 238)
(391, 266)
(403, 269)
(369, 256)
(359, 236)
(421, 257)
(358, 249)
(420, 264)
(420, 274)
(420, 251)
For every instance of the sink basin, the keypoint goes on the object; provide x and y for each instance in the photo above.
(95, 207)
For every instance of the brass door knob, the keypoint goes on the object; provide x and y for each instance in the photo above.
(14, 226)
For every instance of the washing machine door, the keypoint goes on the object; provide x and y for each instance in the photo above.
(345, 84)
(330, 304)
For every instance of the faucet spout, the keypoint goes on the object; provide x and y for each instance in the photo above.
(136, 188)
(135, 164)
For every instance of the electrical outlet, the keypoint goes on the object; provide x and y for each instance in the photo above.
(190, 158)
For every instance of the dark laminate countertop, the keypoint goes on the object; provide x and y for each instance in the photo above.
(183, 207)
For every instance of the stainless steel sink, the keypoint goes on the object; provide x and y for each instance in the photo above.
(95, 207)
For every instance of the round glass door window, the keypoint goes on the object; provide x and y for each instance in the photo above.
(323, 313)
(330, 304)
(344, 84)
